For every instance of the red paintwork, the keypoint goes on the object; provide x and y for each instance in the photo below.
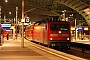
(42, 34)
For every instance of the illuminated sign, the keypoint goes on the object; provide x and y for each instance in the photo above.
(63, 28)
(72, 28)
(80, 28)
(6, 25)
(12, 27)
(27, 20)
(86, 28)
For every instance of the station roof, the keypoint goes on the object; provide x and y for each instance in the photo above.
(46, 7)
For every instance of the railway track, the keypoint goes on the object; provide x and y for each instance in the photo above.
(78, 52)
(62, 55)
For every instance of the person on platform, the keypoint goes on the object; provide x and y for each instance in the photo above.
(7, 35)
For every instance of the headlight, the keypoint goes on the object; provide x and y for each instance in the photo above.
(59, 31)
(50, 38)
(67, 38)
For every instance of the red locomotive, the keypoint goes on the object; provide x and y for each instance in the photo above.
(51, 33)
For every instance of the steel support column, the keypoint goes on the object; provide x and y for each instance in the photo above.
(22, 42)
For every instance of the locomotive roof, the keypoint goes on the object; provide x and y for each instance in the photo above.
(45, 21)
(49, 19)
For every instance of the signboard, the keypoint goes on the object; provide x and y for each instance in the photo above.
(27, 20)
(6, 25)
(80, 28)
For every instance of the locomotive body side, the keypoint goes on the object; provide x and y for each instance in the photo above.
(36, 33)
(40, 33)
(44, 34)
(29, 33)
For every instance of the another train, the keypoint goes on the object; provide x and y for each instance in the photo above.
(52, 32)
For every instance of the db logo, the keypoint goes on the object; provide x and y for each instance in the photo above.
(27, 20)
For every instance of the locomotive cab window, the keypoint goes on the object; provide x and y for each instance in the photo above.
(63, 27)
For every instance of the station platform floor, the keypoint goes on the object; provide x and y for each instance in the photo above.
(12, 50)
(81, 41)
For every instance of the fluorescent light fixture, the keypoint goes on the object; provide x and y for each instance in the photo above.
(10, 13)
(6, 0)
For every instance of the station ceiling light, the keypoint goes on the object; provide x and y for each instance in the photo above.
(6, 0)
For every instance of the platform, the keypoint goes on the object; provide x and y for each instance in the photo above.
(82, 44)
(12, 50)
(81, 41)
